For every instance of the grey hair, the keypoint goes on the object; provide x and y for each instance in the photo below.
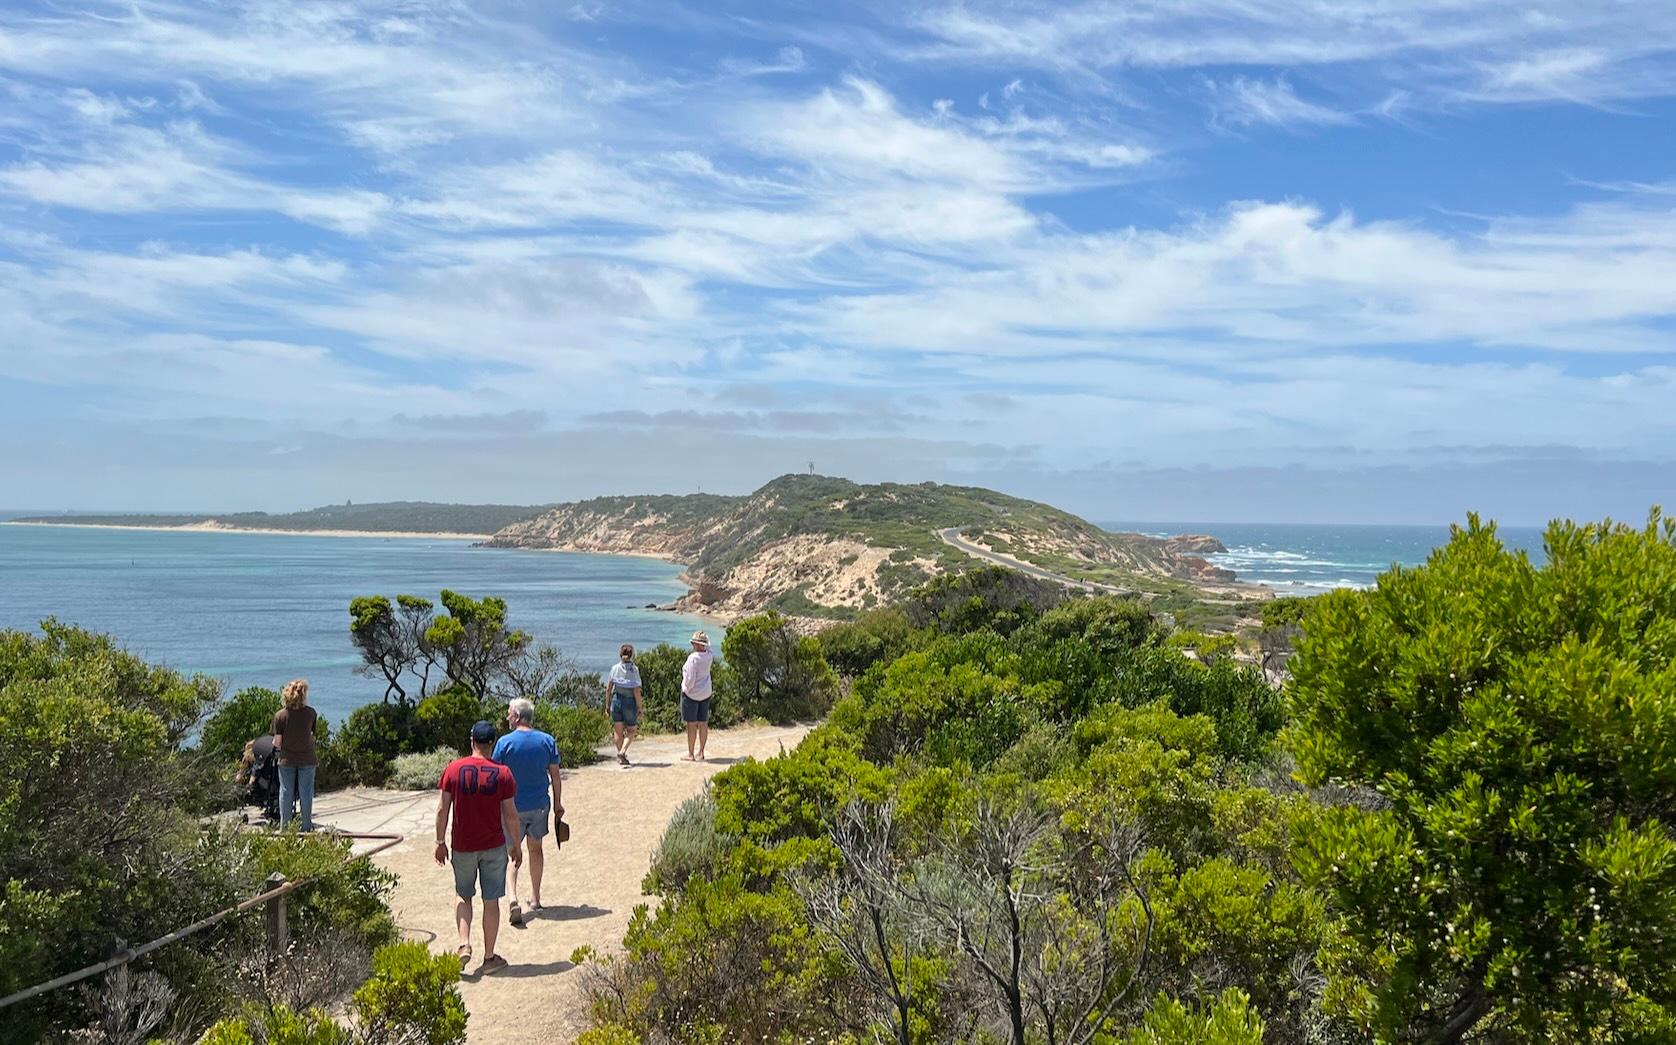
(524, 709)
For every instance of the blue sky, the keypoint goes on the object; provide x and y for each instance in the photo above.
(1347, 261)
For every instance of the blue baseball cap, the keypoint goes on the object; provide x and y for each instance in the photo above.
(483, 731)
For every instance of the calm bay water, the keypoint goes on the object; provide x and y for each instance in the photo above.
(1302, 559)
(259, 609)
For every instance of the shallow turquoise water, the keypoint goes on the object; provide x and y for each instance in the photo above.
(258, 609)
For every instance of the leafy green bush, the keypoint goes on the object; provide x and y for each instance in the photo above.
(992, 597)
(1109, 624)
(778, 674)
(371, 739)
(881, 635)
(1225, 1020)
(1510, 858)
(421, 770)
(278, 1025)
(101, 842)
(577, 731)
(445, 720)
(1207, 648)
(691, 845)
(413, 998)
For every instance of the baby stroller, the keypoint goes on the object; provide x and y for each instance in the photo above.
(262, 778)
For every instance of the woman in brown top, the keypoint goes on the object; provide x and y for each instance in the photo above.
(294, 738)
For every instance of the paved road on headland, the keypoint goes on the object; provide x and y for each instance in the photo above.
(617, 817)
(951, 537)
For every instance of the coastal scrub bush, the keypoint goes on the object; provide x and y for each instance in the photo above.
(1108, 623)
(445, 720)
(691, 845)
(577, 731)
(881, 635)
(413, 998)
(1248, 712)
(777, 673)
(372, 737)
(1503, 852)
(992, 597)
(420, 770)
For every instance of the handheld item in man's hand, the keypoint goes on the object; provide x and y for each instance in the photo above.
(561, 831)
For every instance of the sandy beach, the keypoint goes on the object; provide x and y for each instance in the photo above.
(215, 527)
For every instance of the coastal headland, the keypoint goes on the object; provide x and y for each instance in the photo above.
(809, 546)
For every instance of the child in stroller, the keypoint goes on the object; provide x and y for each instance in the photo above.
(259, 776)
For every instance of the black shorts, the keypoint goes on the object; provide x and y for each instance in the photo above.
(694, 710)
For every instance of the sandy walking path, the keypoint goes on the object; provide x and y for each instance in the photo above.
(590, 888)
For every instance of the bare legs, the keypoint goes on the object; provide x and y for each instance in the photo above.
(491, 924)
(629, 733)
(703, 738)
(697, 733)
(537, 860)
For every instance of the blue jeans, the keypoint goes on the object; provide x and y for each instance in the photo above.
(296, 784)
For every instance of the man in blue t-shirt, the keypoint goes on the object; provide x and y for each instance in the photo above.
(533, 758)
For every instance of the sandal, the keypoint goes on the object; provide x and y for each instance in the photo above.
(517, 914)
(463, 952)
(492, 964)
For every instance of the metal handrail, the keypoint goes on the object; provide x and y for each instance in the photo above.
(128, 955)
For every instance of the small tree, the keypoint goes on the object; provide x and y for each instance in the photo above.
(474, 643)
(1502, 739)
(394, 643)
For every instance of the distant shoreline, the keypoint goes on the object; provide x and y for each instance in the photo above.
(211, 527)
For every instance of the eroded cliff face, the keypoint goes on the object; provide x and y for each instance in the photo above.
(811, 544)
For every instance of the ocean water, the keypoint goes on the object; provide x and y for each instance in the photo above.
(259, 609)
(1303, 559)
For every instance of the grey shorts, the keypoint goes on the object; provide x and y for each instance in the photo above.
(694, 710)
(487, 866)
(535, 823)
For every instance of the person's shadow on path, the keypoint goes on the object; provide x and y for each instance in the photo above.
(565, 913)
(648, 765)
(515, 971)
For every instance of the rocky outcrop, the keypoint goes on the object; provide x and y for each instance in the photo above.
(1195, 544)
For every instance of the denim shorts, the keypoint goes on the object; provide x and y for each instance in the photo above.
(694, 710)
(625, 710)
(533, 823)
(487, 866)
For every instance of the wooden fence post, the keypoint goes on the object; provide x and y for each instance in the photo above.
(278, 937)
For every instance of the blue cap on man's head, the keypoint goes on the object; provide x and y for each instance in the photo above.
(483, 732)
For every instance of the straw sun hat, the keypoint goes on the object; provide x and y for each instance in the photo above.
(701, 639)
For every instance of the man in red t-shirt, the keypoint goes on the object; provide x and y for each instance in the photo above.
(479, 793)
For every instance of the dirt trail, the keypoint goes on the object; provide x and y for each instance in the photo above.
(590, 888)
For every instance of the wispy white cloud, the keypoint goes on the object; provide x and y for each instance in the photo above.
(1244, 101)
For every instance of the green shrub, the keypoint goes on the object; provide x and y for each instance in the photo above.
(577, 731)
(691, 845)
(1108, 623)
(1226, 1020)
(1207, 648)
(660, 690)
(413, 998)
(445, 719)
(422, 770)
(371, 739)
(278, 1025)
(992, 597)
(777, 673)
(882, 635)
(660, 687)
(609, 1034)
(1509, 733)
